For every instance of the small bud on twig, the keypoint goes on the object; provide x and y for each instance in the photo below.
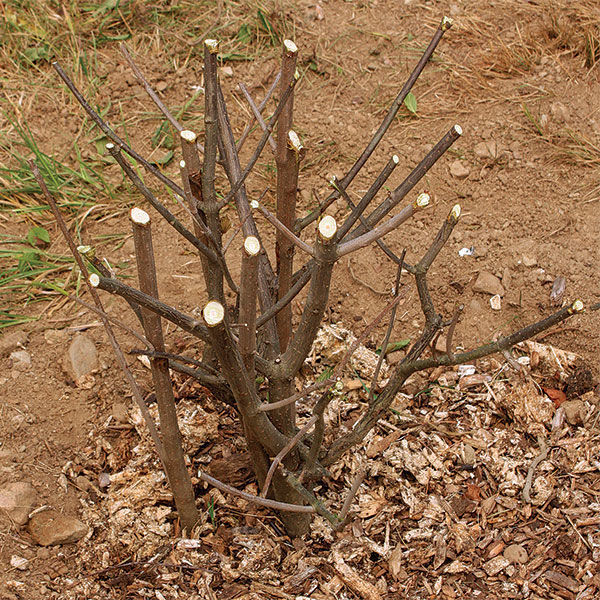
(213, 313)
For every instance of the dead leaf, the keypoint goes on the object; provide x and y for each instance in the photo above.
(557, 396)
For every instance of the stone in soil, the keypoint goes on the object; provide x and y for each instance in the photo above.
(516, 554)
(82, 357)
(487, 283)
(486, 150)
(51, 528)
(12, 341)
(574, 412)
(459, 170)
(21, 360)
(17, 500)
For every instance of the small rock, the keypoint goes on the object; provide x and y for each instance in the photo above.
(227, 71)
(353, 384)
(496, 302)
(459, 170)
(574, 412)
(516, 554)
(83, 483)
(119, 412)
(18, 562)
(21, 360)
(529, 261)
(50, 528)
(17, 501)
(469, 457)
(103, 480)
(82, 356)
(495, 565)
(487, 283)
(12, 341)
(161, 85)
(486, 150)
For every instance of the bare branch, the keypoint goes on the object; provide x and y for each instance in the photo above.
(177, 473)
(137, 394)
(257, 115)
(112, 135)
(261, 106)
(281, 228)
(254, 499)
(367, 238)
(284, 451)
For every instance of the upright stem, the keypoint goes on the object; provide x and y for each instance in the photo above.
(177, 473)
(287, 185)
(248, 289)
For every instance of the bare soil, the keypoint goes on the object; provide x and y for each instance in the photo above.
(530, 213)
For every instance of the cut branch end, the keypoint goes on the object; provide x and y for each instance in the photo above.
(139, 216)
(94, 280)
(188, 136)
(423, 200)
(327, 227)
(251, 245)
(213, 313)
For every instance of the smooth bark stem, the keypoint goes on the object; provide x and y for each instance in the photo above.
(411, 181)
(316, 302)
(373, 235)
(209, 207)
(360, 208)
(233, 169)
(287, 161)
(285, 232)
(177, 473)
(248, 297)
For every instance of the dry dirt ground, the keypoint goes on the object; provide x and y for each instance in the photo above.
(442, 501)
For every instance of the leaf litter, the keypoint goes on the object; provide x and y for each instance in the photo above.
(443, 511)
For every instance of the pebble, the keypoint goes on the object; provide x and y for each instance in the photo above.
(487, 150)
(17, 500)
(18, 562)
(496, 302)
(12, 341)
(529, 261)
(515, 553)
(487, 283)
(459, 170)
(82, 356)
(575, 412)
(51, 528)
(21, 360)
(119, 412)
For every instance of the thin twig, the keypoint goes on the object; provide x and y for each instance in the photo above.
(254, 499)
(257, 115)
(137, 394)
(285, 231)
(261, 106)
(112, 135)
(284, 451)
(533, 466)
